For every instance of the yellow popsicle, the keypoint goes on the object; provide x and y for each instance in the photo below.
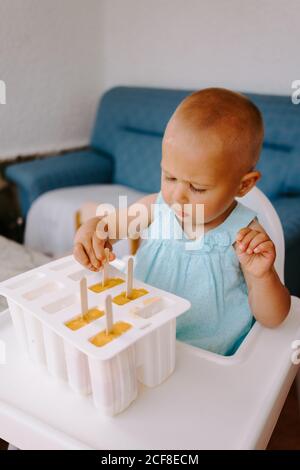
(121, 299)
(101, 339)
(114, 281)
(83, 320)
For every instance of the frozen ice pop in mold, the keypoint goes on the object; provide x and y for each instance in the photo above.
(84, 319)
(100, 287)
(130, 293)
(103, 338)
(107, 282)
(86, 338)
(112, 330)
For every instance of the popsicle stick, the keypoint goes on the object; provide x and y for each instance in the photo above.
(83, 296)
(108, 314)
(129, 277)
(106, 267)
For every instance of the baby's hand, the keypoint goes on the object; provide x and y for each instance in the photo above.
(255, 251)
(88, 248)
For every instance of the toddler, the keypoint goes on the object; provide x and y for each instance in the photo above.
(209, 151)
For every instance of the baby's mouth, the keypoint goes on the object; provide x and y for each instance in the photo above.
(181, 214)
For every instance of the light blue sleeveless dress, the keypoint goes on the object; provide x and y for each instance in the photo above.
(208, 274)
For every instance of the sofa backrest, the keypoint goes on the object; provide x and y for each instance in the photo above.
(280, 158)
(130, 124)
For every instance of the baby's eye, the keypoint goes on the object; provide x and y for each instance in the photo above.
(170, 178)
(197, 190)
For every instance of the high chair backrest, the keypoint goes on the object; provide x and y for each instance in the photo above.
(268, 218)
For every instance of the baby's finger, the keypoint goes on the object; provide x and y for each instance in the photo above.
(112, 256)
(265, 247)
(87, 244)
(241, 233)
(98, 247)
(102, 230)
(81, 256)
(243, 244)
(260, 238)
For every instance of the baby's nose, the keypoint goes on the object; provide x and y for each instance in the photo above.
(180, 196)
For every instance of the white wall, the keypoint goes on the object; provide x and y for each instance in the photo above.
(249, 45)
(50, 60)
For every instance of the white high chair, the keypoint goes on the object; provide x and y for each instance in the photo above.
(210, 401)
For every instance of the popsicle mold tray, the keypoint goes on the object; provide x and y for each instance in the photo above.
(43, 301)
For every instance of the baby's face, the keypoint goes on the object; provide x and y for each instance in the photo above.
(196, 169)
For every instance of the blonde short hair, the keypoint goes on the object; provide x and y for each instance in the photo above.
(228, 112)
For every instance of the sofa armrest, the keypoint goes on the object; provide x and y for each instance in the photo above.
(72, 169)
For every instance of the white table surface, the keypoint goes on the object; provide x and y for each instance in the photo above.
(208, 403)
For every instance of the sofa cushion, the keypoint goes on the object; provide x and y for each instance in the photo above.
(288, 211)
(274, 167)
(280, 169)
(137, 161)
(141, 110)
(292, 182)
(281, 119)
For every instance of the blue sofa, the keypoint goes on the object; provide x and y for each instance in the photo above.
(125, 149)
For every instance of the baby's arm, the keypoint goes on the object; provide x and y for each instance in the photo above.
(269, 299)
(89, 248)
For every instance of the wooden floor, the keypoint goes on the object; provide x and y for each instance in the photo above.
(286, 435)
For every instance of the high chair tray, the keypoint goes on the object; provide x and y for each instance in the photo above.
(210, 402)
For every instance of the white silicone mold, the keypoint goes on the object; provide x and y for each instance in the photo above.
(41, 301)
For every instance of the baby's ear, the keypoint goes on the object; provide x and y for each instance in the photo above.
(247, 182)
